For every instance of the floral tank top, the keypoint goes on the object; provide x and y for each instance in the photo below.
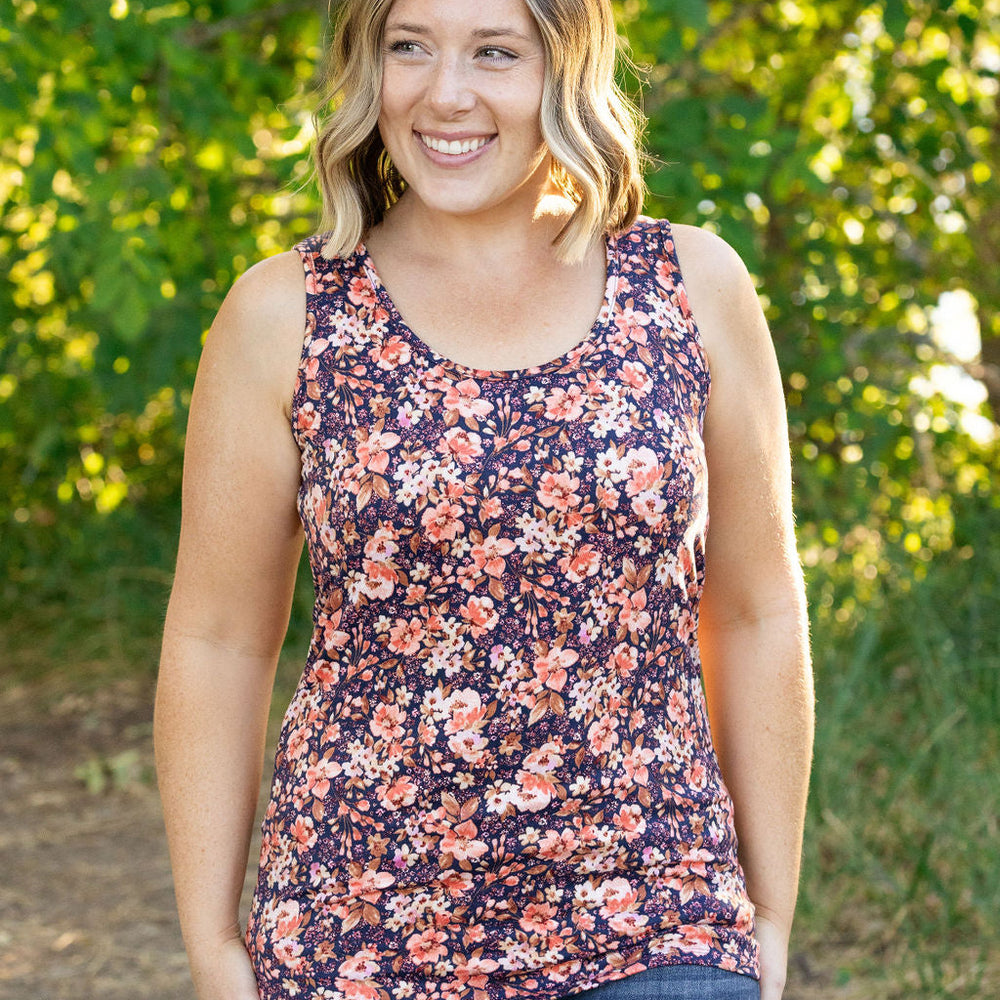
(496, 778)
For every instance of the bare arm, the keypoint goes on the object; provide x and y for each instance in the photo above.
(228, 612)
(754, 629)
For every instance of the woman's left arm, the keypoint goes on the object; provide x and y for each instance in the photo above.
(753, 629)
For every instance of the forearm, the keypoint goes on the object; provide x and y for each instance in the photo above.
(759, 688)
(209, 731)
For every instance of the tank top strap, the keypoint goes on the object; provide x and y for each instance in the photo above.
(324, 274)
(649, 252)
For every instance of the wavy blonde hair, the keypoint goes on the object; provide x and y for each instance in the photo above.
(590, 127)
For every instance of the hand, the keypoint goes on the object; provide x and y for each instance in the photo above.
(225, 973)
(773, 944)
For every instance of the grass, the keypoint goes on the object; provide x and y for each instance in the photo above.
(901, 853)
(901, 878)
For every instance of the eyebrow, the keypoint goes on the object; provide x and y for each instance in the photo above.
(419, 29)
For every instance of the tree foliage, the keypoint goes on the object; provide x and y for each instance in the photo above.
(848, 152)
(149, 151)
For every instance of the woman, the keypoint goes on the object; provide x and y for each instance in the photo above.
(496, 777)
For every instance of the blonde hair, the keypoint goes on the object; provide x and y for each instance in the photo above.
(590, 127)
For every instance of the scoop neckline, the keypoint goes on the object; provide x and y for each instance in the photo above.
(567, 359)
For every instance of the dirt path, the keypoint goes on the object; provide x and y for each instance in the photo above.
(86, 904)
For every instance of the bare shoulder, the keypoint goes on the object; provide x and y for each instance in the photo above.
(266, 301)
(720, 291)
(713, 272)
(702, 252)
(259, 329)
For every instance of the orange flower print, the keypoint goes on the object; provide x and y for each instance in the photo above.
(475, 971)
(558, 845)
(603, 734)
(464, 445)
(288, 918)
(631, 323)
(650, 506)
(630, 820)
(461, 842)
(550, 669)
(288, 953)
(373, 453)
(387, 722)
(537, 918)
(492, 508)
(584, 562)
(685, 626)
(633, 614)
(625, 659)
(405, 637)
(565, 404)
(318, 777)
(368, 885)
(466, 710)
(400, 793)
(457, 884)
(307, 419)
(443, 521)
(546, 758)
(608, 497)
(469, 745)
(361, 293)
(381, 547)
(677, 708)
(698, 940)
(379, 581)
(642, 470)
(533, 791)
(496, 767)
(629, 924)
(304, 832)
(665, 272)
(489, 555)
(636, 377)
(696, 776)
(298, 742)
(465, 398)
(617, 896)
(393, 353)
(360, 966)
(480, 614)
(354, 989)
(558, 490)
(427, 947)
(636, 765)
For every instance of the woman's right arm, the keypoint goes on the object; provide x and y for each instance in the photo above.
(239, 548)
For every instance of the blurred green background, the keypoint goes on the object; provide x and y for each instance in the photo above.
(150, 151)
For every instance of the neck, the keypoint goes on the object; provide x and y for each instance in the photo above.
(530, 225)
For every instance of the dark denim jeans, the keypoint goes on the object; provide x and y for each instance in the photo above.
(677, 982)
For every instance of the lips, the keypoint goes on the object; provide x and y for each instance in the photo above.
(454, 147)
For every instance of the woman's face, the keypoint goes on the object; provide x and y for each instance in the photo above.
(461, 100)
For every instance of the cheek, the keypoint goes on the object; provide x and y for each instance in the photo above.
(393, 100)
(529, 105)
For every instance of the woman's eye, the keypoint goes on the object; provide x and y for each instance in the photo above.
(403, 48)
(496, 55)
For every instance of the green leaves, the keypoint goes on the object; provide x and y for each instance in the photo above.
(842, 150)
(131, 194)
(150, 151)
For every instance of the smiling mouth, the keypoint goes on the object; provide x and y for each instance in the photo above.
(454, 147)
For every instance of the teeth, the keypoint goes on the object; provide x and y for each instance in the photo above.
(454, 148)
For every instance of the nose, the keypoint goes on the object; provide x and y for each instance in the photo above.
(449, 91)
